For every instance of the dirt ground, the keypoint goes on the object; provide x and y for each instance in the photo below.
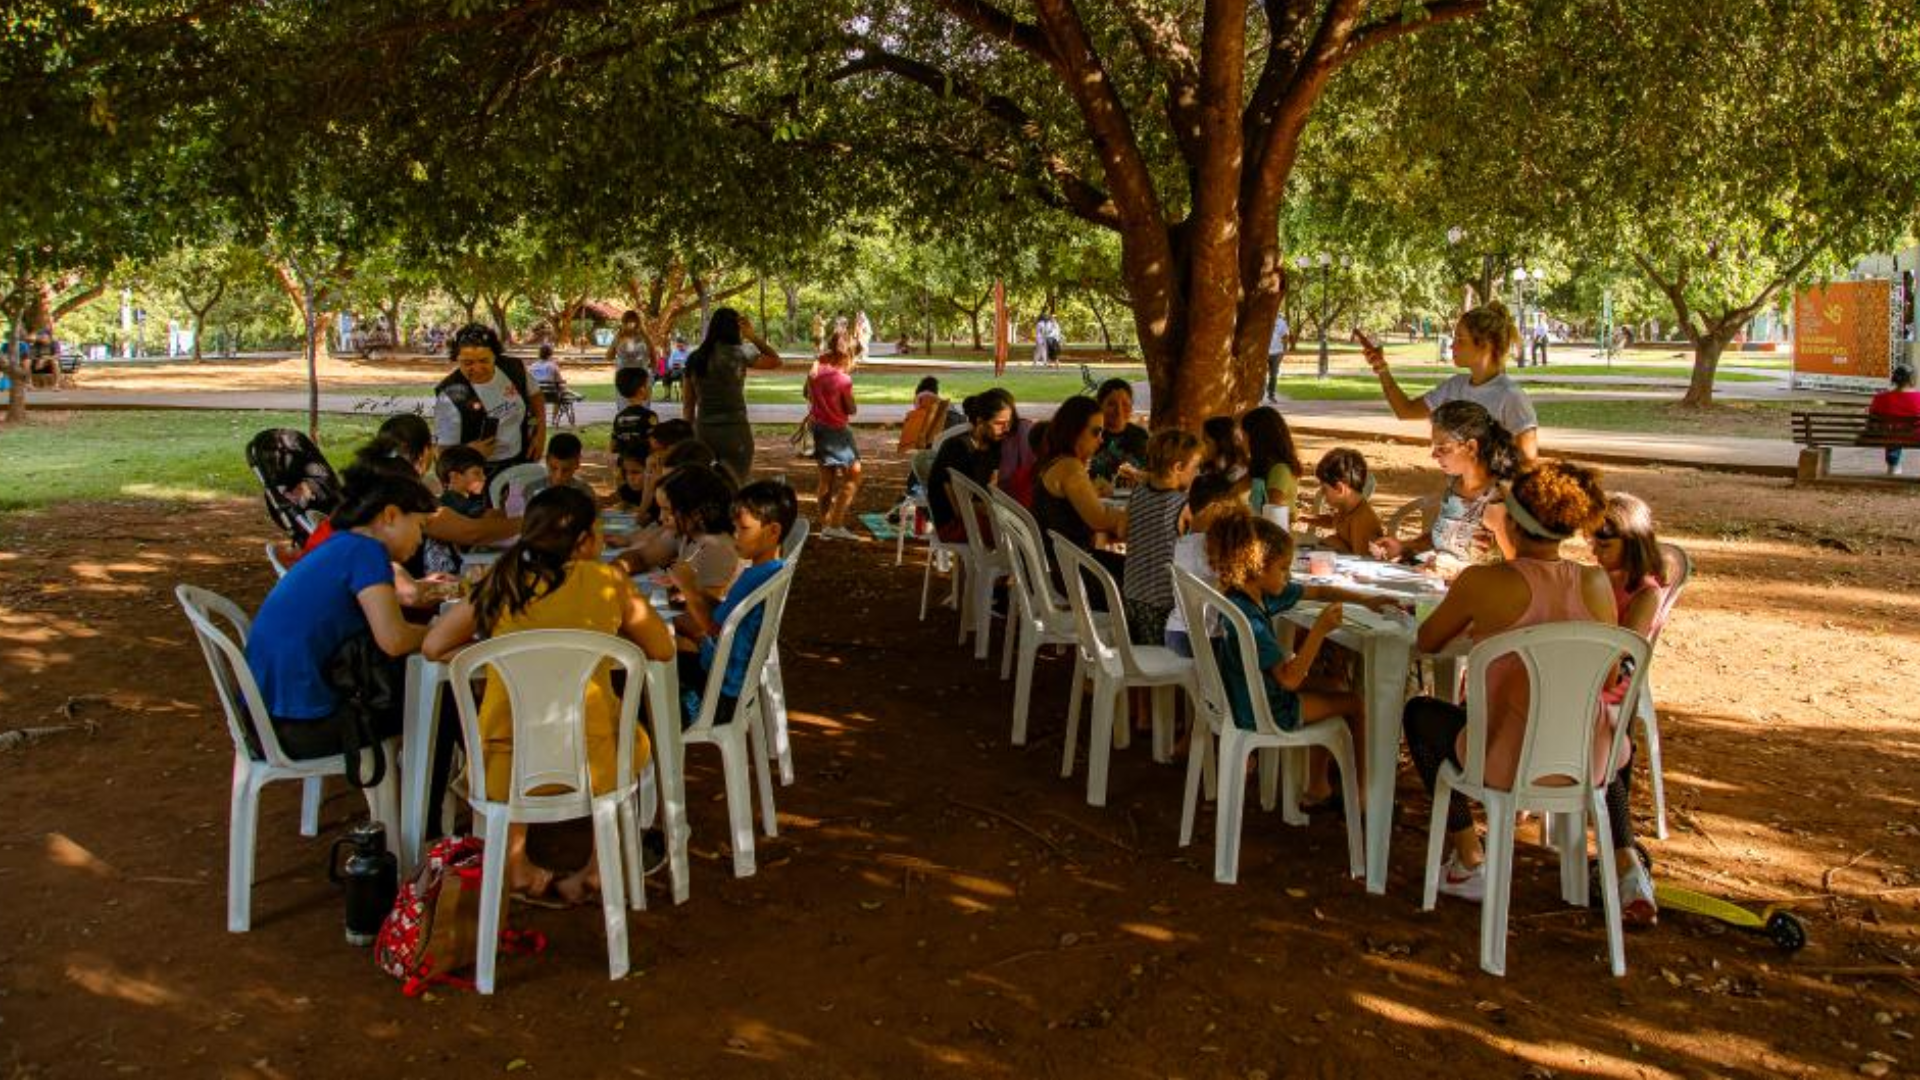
(938, 902)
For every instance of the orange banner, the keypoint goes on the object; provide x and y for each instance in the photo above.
(1000, 328)
(1843, 334)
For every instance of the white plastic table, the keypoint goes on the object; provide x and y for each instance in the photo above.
(426, 678)
(1385, 647)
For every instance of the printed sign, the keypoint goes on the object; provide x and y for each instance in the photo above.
(1844, 334)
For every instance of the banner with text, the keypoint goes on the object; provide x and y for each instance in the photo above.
(1844, 334)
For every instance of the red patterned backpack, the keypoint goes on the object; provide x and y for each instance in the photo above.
(433, 930)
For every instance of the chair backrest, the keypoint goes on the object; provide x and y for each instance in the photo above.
(1679, 568)
(1199, 603)
(1566, 665)
(1420, 511)
(544, 674)
(953, 432)
(972, 503)
(1033, 585)
(510, 480)
(792, 544)
(273, 560)
(225, 650)
(770, 598)
(1038, 569)
(1113, 649)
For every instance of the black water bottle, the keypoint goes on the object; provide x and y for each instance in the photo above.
(371, 876)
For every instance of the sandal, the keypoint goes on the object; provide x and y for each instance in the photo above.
(535, 892)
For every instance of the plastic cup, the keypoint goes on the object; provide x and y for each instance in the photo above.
(1279, 515)
(1320, 564)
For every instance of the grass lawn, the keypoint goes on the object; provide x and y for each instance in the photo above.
(162, 454)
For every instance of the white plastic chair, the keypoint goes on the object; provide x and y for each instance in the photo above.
(944, 556)
(772, 686)
(1115, 665)
(1566, 665)
(1679, 566)
(743, 740)
(1420, 512)
(1038, 616)
(912, 506)
(273, 560)
(246, 712)
(1199, 602)
(986, 563)
(512, 481)
(544, 674)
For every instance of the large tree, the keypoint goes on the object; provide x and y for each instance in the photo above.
(1175, 125)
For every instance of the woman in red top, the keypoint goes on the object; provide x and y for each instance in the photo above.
(830, 410)
(1900, 404)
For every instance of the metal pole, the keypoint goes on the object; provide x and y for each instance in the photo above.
(1324, 269)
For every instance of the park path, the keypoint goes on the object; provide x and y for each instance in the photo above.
(1334, 419)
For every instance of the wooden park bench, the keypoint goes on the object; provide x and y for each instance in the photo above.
(1819, 432)
(69, 369)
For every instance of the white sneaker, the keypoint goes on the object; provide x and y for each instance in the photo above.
(1637, 906)
(1463, 883)
(839, 532)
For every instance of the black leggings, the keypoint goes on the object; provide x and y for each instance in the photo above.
(1433, 728)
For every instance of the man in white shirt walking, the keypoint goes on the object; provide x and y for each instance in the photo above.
(1276, 348)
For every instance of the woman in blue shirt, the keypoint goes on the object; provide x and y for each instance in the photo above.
(341, 590)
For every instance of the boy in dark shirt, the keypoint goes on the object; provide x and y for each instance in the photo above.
(463, 490)
(635, 421)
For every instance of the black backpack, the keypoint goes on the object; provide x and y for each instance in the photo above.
(299, 486)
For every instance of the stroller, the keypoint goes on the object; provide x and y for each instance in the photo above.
(299, 487)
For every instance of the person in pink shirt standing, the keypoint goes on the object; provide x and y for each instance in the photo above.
(830, 410)
(1900, 405)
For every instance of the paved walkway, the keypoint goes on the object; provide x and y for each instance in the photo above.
(1334, 419)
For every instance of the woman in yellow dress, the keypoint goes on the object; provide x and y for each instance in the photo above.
(552, 579)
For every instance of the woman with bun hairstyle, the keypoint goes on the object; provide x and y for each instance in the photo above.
(552, 579)
(1477, 456)
(1481, 341)
(1545, 506)
(974, 454)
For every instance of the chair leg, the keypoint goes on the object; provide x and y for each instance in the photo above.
(630, 860)
(1073, 715)
(1571, 835)
(1007, 646)
(1163, 723)
(1209, 770)
(1436, 841)
(1272, 775)
(981, 598)
(1493, 914)
(1100, 739)
(1023, 682)
(493, 895)
(1609, 887)
(926, 584)
(1190, 798)
(1229, 810)
(757, 744)
(773, 691)
(1123, 720)
(900, 536)
(1656, 774)
(242, 822)
(1342, 751)
(312, 792)
(613, 885)
(733, 769)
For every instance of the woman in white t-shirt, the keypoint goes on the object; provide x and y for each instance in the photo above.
(1482, 339)
(489, 403)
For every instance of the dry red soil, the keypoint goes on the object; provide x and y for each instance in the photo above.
(939, 902)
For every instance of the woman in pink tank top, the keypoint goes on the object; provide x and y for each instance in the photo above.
(1545, 506)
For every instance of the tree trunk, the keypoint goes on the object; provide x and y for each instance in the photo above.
(497, 305)
(791, 330)
(1100, 320)
(1707, 348)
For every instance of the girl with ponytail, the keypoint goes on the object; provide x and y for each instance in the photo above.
(1481, 342)
(1478, 457)
(552, 579)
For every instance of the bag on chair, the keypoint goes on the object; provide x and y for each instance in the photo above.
(434, 928)
(370, 684)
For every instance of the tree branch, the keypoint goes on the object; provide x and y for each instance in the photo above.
(1158, 36)
(1440, 12)
(996, 23)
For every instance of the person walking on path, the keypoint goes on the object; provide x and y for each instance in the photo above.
(629, 347)
(1276, 348)
(1482, 340)
(716, 390)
